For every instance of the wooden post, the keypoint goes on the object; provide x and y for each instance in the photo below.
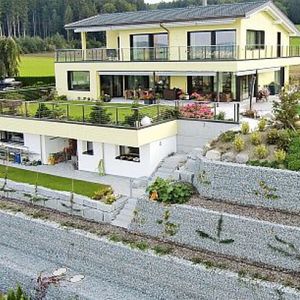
(83, 44)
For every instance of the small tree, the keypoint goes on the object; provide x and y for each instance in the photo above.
(99, 114)
(286, 110)
(43, 111)
(136, 115)
(9, 58)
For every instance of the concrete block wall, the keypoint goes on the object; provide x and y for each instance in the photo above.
(58, 200)
(242, 237)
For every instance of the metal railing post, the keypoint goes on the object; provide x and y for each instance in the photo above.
(83, 118)
(117, 115)
(26, 110)
(238, 113)
(68, 111)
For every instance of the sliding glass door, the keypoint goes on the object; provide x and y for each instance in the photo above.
(204, 45)
(149, 47)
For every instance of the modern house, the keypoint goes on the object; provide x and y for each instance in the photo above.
(212, 50)
(215, 52)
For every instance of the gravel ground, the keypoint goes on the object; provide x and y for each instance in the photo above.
(111, 271)
(206, 258)
(260, 213)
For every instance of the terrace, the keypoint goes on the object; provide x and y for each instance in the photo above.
(180, 53)
(117, 115)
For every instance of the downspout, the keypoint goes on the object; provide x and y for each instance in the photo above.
(167, 30)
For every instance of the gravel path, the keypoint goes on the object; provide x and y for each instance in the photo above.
(111, 271)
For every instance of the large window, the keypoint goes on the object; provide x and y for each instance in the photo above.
(201, 84)
(211, 44)
(255, 39)
(79, 80)
(133, 82)
(129, 153)
(145, 47)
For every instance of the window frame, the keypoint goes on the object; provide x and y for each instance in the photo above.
(88, 148)
(70, 79)
(259, 37)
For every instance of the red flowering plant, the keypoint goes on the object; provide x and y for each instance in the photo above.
(196, 111)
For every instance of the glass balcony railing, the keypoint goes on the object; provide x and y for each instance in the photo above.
(181, 53)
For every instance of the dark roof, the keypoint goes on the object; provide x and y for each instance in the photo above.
(169, 15)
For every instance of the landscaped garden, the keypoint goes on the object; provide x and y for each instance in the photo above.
(274, 143)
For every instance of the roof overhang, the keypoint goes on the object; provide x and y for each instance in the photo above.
(278, 16)
(155, 25)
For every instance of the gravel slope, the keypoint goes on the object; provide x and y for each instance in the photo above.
(111, 271)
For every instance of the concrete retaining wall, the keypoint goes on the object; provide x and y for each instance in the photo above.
(197, 133)
(61, 201)
(242, 184)
(247, 238)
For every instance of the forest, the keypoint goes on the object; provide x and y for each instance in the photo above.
(38, 25)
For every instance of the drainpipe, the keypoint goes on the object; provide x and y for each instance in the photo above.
(204, 2)
(168, 31)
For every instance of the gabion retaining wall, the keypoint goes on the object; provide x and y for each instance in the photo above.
(61, 201)
(242, 184)
(247, 238)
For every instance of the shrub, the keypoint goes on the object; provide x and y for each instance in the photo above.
(264, 163)
(262, 124)
(293, 156)
(280, 155)
(261, 151)
(272, 136)
(106, 195)
(162, 249)
(221, 115)
(17, 294)
(136, 115)
(168, 191)
(43, 111)
(227, 136)
(238, 144)
(255, 138)
(286, 110)
(245, 128)
(284, 139)
(196, 111)
(99, 114)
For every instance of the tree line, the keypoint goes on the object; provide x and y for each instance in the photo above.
(38, 25)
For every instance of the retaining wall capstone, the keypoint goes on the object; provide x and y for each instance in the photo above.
(61, 201)
(242, 184)
(238, 236)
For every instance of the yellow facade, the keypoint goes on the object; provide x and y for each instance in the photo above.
(118, 136)
(247, 59)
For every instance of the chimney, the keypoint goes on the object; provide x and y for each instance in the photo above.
(204, 2)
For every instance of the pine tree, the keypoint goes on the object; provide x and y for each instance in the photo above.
(99, 114)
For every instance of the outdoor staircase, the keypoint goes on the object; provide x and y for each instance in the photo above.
(168, 166)
(126, 215)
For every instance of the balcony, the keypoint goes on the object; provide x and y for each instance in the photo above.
(181, 53)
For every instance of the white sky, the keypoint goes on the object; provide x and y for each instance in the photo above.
(156, 1)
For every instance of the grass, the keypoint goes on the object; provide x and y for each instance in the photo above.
(37, 65)
(52, 182)
(118, 111)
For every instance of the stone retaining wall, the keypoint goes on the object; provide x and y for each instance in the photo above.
(239, 236)
(242, 184)
(61, 201)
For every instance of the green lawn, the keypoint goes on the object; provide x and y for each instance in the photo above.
(37, 65)
(52, 182)
(295, 41)
(76, 111)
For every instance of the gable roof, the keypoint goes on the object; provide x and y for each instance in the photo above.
(174, 15)
(169, 15)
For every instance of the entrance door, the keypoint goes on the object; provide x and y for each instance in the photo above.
(112, 85)
(279, 44)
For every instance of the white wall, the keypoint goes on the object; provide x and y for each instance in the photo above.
(150, 156)
(88, 162)
(195, 134)
(33, 143)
